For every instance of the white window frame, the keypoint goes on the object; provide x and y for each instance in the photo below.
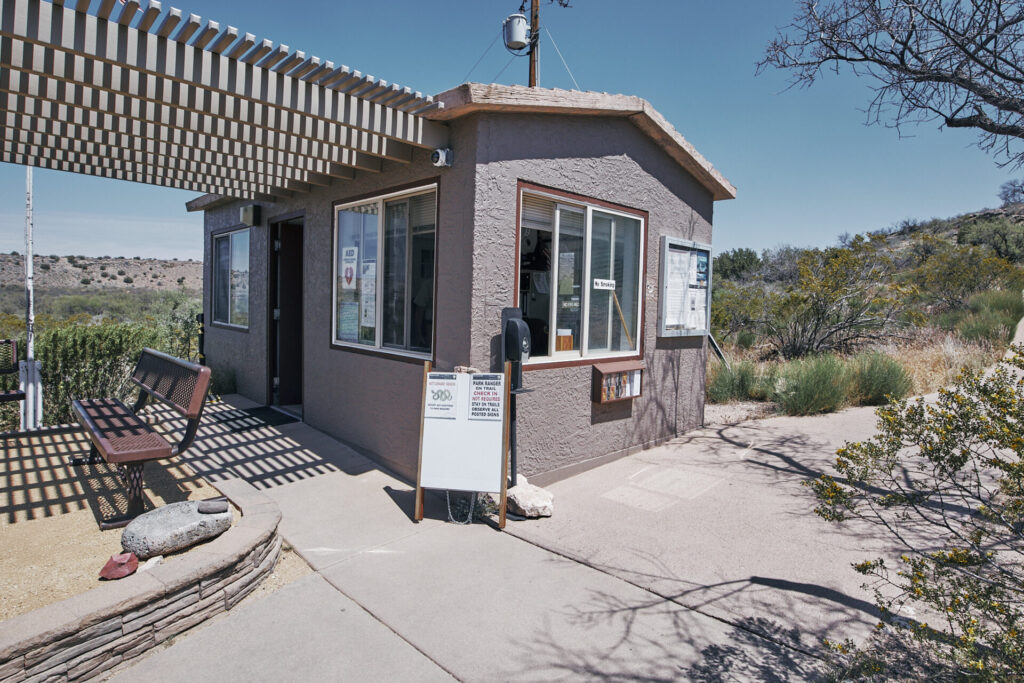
(378, 346)
(583, 353)
(213, 300)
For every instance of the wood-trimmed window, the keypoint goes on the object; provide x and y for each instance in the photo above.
(384, 260)
(581, 270)
(231, 278)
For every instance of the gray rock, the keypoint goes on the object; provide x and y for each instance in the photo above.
(172, 527)
(527, 500)
(208, 507)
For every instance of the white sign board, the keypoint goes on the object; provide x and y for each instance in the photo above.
(463, 432)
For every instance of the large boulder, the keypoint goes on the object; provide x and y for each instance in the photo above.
(527, 500)
(171, 528)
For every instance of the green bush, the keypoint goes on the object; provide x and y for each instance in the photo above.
(128, 279)
(877, 379)
(745, 339)
(88, 361)
(735, 384)
(720, 384)
(990, 316)
(820, 384)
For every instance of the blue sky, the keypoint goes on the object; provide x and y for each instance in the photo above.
(805, 165)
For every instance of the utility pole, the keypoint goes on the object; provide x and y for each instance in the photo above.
(534, 41)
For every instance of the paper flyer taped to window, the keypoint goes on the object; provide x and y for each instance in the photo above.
(368, 295)
(349, 265)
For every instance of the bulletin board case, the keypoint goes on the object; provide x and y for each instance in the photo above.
(684, 288)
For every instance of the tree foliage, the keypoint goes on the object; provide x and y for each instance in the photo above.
(736, 264)
(958, 63)
(1004, 237)
(1012, 192)
(945, 481)
(950, 274)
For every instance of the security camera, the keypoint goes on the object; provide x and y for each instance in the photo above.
(441, 157)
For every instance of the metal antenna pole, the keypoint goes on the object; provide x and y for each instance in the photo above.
(30, 311)
(534, 42)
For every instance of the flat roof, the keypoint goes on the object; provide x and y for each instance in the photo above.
(476, 97)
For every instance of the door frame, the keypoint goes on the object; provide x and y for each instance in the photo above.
(273, 226)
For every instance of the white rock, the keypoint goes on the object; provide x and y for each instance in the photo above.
(527, 500)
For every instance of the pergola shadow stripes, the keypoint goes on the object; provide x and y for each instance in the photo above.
(151, 96)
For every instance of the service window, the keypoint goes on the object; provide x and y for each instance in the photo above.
(580, 278)
(384, 272)
(231, 278)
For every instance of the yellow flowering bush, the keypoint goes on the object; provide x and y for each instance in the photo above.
(945, 480)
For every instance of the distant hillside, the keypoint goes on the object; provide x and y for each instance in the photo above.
(949, 229)
(103, 273)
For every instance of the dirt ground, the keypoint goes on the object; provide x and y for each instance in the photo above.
(52, 547)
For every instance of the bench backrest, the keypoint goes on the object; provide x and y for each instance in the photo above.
(178, 383)
(8, 356)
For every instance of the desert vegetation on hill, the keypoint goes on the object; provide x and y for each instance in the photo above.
(89, 334)
(877, 315)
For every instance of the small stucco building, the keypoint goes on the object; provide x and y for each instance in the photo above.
(328, 303)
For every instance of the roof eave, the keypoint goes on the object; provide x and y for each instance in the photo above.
(477, 97)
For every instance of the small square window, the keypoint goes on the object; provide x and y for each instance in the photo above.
(231, 278)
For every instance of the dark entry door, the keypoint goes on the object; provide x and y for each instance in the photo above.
(286, 315)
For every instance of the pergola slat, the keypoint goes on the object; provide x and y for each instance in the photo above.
(58, 119)
(143, 94)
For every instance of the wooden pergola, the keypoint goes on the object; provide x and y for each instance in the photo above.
(138, 93)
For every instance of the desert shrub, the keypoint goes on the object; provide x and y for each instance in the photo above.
(745, 339)
(85, 280)
(734, 306)
(876, 379)
(120, 272)
(943, 482)
(103, 267)
(736, 264)
(731, 384)
(819, 384)
(990, 316)
(952, 274)
(719, 388)
(88, 361)
(128, 279)
(842, 297)
(44, 266)
(1005, 238)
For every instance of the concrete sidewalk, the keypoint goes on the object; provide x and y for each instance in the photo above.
(663, 565)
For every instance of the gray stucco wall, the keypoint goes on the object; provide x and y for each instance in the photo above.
(610, 160)
(373, 402)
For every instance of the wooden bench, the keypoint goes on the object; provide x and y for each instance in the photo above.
(120, 437)
(9, 366)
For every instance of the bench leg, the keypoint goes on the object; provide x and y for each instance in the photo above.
(93, 458)
(131, 475)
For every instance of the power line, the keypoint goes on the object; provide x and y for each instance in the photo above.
(562, 58)
(495, 79)
(465, 78)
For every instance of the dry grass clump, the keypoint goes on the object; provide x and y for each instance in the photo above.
(933, 358)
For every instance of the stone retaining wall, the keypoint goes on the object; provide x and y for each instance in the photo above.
(86, 635)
